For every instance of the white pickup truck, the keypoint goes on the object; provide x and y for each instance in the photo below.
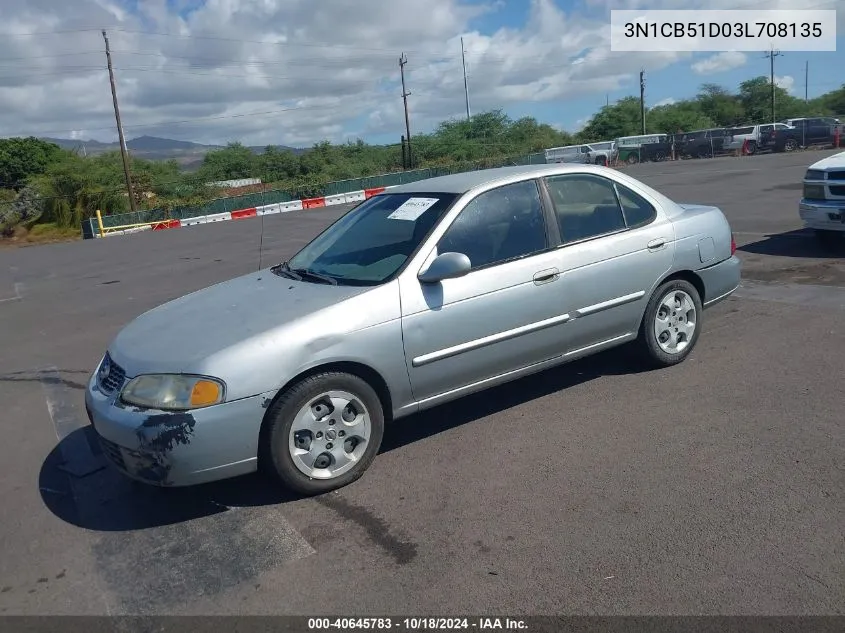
(822, 206)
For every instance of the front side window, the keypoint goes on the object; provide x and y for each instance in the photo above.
(372, 242)
(498, 225)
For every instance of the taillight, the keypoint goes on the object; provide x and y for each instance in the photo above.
(733, 244)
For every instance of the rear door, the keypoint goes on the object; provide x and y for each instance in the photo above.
(616, 244)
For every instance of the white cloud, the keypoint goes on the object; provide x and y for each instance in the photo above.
(665, 102)
(719, 63)
(314, 73)
(786, 82)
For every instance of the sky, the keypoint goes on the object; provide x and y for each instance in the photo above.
(296, 72)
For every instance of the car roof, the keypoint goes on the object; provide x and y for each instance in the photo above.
(469, 180)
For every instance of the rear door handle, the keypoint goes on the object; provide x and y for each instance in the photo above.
(545, 276)
(657, 244)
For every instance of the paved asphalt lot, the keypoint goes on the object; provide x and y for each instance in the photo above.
(715, 487)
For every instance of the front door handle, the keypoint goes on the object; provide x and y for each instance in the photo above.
(657, 244)
(545, 276)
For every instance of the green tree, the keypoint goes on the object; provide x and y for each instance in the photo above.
(719, 106)
(613, 121)
(21, 158)
(232, 162)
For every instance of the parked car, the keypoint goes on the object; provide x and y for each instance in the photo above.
(603, 153)
(662, 149)
(420, 295)
(704, 143)
(822, 206)
(805, 132)
(630, 148)
(768, 135)
(568, 154)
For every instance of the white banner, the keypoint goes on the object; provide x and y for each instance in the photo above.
(690, 30)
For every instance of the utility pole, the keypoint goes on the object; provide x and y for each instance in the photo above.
(771, 55)
(642, 100)
(403, 59)
(119, 127)
(466, 85)
(806, 80)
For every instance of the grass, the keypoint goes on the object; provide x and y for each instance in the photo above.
(40, 234)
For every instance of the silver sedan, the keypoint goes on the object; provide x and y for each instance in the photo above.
(420, 295)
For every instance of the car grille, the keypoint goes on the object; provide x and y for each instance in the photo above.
(113, 453)
(837, 190)
(836, 175)
(114, 379)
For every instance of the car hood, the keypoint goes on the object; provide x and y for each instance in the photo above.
(176, 335)
(831, 162)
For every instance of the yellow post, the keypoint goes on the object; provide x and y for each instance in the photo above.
(100, 223)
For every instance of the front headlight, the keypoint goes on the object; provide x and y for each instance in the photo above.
(173, 391)
(813, 192)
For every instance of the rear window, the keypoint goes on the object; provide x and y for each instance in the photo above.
(743, 130)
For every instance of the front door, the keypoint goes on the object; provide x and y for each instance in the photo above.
(616, 246)
(504, 315)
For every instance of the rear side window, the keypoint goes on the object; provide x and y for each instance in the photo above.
(585, 206)
(638, 211)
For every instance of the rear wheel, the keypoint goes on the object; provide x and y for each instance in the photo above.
(790, 145)
(671, 323)
(323, 433)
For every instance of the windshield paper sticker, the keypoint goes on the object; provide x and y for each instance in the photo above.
(413, 208)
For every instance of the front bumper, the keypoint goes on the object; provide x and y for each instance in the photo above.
(825, 215)
(165, 448)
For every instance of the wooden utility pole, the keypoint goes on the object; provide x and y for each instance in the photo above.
(771, 55)
(119, 128)
(642, 100)
(466, 85)
(405, 94)
(806, 80)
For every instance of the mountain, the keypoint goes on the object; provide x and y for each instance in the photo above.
(189, 155)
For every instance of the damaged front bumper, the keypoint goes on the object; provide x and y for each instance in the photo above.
(183, 448)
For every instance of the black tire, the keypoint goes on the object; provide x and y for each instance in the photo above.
(752, 148)
(649, 346)
(275, 457)
(790, 145)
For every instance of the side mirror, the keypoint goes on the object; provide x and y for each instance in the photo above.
(446, 266)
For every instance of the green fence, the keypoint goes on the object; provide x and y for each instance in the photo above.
(246, 201)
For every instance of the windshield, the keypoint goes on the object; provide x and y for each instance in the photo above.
(372, 242)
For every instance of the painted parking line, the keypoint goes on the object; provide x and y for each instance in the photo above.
(17, 296)
(79, 459)
(157, 549)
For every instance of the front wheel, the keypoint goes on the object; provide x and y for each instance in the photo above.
(671, 323)
(323, 433)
